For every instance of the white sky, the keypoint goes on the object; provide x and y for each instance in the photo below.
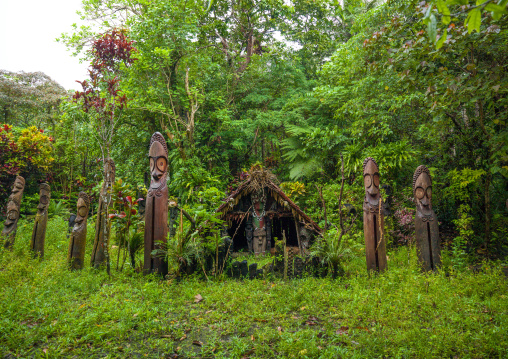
(28, 29)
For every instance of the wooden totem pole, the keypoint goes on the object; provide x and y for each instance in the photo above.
(41, 220)
(77, 244)
(11, 223)
(426, 226)
(101, 230)
(156, 210)
(373, 218)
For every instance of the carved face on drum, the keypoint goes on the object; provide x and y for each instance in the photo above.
(44, 196)
(422, 189)
(13, 205)
(371, 181)
(158, 156)
(12, 214)
(83, 206)
(19, 185)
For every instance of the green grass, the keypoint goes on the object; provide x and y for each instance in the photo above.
(48, 311)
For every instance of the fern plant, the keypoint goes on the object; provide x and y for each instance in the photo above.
(57, 209)
(332, 252)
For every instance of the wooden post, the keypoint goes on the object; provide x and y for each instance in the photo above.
(298, 236)
(11, 223)
(41, 220)
(426, 226)
(77, 243)
(156, 212)
(373, 218)
(98, 254)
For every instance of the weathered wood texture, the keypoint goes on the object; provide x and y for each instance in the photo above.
(102, 232)
(77, 243)
(156, 211)
(13, 205)
(41, 219)
(373, 218)
(426, 225)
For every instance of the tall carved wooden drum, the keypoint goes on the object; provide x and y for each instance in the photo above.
(426, 226)
(373, 218)
(156, 211)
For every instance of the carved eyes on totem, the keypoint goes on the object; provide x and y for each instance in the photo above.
(18, 185)
(44, 200)
(83, 211)
(160, 161)
(368, 179)
(420, 192)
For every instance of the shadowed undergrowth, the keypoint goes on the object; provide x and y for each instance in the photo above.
(48, 311)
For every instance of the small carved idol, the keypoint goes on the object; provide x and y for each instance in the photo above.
(426, 226)
(373, 218)
(13, 206)
(259, 242)
(77, 244)
(101, 231)
(156, 210)
(41, 220)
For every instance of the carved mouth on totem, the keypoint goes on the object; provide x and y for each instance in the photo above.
(372, 199)
(8, 227)
(159, 182)
(11, 217)
(77, 226)
(425, 208)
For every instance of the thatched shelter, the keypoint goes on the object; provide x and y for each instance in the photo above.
(258, 212)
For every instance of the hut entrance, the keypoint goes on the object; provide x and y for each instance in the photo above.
(258, 212)
(278, 226)
(286, 225)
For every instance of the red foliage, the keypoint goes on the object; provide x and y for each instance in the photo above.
(109, 52)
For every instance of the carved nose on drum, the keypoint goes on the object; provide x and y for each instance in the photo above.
(424, 201)
(156, 175)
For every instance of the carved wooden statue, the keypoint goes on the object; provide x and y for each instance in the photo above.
(156, 211)
(41, 220)
(426, 226)
(76, 255)
(11, 223)
(373, 218)
(101, 232)
(259, 242)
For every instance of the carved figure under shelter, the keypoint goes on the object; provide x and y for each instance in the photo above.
(259, 211)
(101, 230)
(156, 210)
(373, 218)
(41, 221)
(77, 243)
(426, 226)
(13, 206)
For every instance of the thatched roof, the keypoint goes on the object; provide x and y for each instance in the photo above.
(259, 179)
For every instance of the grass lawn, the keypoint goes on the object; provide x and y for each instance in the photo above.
(48, 311)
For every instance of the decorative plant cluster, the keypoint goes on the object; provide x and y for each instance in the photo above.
(101, 96)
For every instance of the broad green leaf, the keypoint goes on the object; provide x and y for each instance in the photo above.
(473, 20)
(443, 9)
(497, 10)
(442, 39)
(432, 28)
